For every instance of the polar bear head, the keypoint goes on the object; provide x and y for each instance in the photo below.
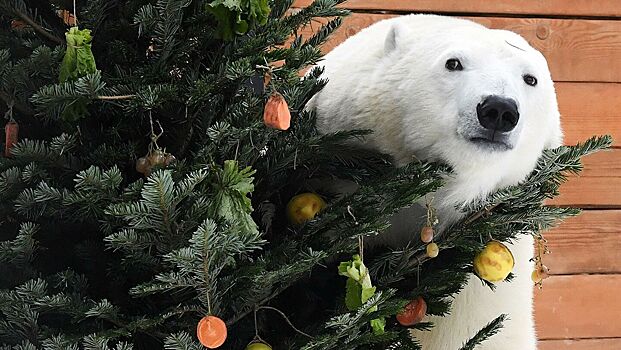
(469, 95)
(444, 89)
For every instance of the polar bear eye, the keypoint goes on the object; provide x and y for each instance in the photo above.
(453, 64)
(530, 80)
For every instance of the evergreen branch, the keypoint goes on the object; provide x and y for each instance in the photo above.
(485, 333)
(37, 27)
(120, 97)
(22, 108)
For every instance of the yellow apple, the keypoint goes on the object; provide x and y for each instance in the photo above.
(304, 207)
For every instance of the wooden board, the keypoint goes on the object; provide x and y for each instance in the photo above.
(577, 50)
(528, 7)
(581, 344)
(588, 243)
(590, 109)
(579, 306)
(599, 185)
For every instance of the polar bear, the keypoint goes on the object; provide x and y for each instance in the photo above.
(451, 90)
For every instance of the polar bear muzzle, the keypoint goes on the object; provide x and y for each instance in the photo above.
(498, 116)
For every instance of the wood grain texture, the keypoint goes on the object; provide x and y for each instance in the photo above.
(579, 306)
(589, 109)
(599, 185)
(581, 344)
(588, 243)
(577, 50)
(527, 7)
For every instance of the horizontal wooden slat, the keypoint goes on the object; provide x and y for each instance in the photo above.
(579, 306)
(577, 50)
(581, 344)
(538, 7)
(598, 185)
(588, 243)
(590, 109)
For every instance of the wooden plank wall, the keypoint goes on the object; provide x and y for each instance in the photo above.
(579, 306)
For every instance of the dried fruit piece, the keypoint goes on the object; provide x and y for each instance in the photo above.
(276, 113)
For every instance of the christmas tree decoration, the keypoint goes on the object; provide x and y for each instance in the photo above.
(494, 262)
(413, 313)
(68, 17)
(276, 113)
(426, 234)
(17, 24)
(540, 274)
(236, 17)
(540, 271)
(77, 63)
(432, 250)
(78, 60)
(143, 166)
(304, 207)
(11, 133)
(258, 345)
(359, 289)
(211, 332)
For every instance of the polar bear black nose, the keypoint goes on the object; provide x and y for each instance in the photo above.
(498, 113)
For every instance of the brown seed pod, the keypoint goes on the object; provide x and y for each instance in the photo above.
(142, 165)
(426, 234)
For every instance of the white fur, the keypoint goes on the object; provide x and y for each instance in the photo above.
(391, 78)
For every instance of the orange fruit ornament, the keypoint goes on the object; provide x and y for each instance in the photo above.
(211, 332)
(413, 313)
(276, 113)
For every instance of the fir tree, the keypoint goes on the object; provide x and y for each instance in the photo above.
(94, 255)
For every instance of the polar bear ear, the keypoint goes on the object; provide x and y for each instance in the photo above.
(396, 34)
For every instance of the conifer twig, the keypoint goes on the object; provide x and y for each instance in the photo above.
(119, 97)
(37, 27)
(16, 104)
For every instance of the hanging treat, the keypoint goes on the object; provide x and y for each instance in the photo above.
(494, 262)
(432, 250)
(426, 234)
(11, 130)
(18, 24)
(78, 60)
(540, 272)
(142, 165)
(276, 113)
(156, 158)
(211, 332)
(77, 63)
(258, 345)
(413, 313)
(304, 207)
(67, 17)
(359, 289)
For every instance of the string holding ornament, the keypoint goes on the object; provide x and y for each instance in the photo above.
(211, 331)
(427, 233)
(276, 113)
(258, 343)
